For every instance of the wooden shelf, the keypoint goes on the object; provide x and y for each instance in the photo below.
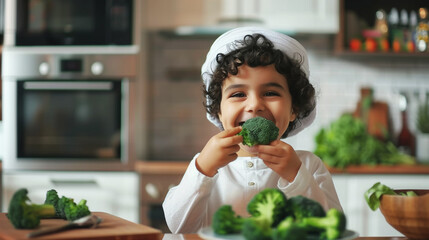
(382, 169)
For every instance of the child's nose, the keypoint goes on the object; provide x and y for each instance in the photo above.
(255, 104)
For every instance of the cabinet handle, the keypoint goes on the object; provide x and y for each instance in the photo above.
(69, 182)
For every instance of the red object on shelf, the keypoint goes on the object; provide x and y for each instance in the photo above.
(370, 45)
(355, 45)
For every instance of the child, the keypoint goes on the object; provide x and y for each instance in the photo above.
(250, 72)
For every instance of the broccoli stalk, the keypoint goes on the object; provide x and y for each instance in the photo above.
(332, 226)
(289, 229)
(225, 221)
(257, 228)
(259, 130)
(25, 215)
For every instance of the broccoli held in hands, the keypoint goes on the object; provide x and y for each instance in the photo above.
(25, 215)
(258, 131)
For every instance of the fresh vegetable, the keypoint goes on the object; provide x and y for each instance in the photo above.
(273, 216)
(52, 198)
(290, 230)
(269, 203)
(332, 225)
(25, 215)
(347, 142)
(258, 130)
(75, 211)
(373, 194)
(300, 207)
(225, 221)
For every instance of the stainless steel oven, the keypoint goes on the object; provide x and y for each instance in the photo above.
(68, 108)
(69, 22)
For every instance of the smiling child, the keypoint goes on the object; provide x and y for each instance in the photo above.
(250, 72)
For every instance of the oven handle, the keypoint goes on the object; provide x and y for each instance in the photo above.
(100, 86)
(69, 182)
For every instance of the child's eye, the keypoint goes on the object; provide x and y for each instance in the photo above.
(237, 95)
(271, 93)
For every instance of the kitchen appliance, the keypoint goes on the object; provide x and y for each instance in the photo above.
(69, 22)
(68, 108)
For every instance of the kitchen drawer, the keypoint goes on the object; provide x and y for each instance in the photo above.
(112, 192)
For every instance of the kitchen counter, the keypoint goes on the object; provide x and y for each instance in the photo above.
(179, 167)
(196, 237)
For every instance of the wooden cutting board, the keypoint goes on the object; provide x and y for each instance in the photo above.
(111, 227)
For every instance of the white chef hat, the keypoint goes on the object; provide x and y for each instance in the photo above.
(227, 42)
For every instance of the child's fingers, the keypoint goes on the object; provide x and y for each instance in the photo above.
(230, 132)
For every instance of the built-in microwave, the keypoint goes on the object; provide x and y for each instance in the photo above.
(68, 108)
(70, 22)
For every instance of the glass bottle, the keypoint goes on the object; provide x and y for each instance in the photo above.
(422, 31)
(406, 140)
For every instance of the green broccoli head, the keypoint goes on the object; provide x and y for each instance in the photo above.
(75, 211)
(52, 198)
(300, 207)
(289, 229)
(332, 225)
(225, 221)
(257, 228)
(269, 203)
(25, 215)
(258, 130)
(63, 202)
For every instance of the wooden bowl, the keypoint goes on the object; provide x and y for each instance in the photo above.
(408, 215)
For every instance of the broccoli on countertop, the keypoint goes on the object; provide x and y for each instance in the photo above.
(331, 226)
(25, 215)
(300, 207)
(275, 217)
(225, 221)
(75, 211)
(258, 130)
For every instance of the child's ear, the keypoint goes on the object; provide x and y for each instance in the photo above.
(292, 116)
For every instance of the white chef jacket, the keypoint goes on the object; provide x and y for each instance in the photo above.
(190, 205)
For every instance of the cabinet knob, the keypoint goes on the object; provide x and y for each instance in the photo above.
(97, 68)
(44, 68)
(152, 190)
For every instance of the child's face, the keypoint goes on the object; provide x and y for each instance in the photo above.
(259, 91)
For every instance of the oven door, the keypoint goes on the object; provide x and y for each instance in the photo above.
(73, 22)
(69, 119)
(67, 125)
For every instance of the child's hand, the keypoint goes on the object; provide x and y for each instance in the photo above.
(281, 158)
(220, 150)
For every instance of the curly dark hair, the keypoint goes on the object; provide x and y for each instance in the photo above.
(256, 50)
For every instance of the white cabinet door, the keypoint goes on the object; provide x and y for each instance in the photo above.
(360, 217)
(306, 16)
(116, 193)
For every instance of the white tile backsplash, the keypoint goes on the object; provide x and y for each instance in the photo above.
(338, 81)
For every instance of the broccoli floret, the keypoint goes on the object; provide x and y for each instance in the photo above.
(300, 207)
(225, 221)
(52, 198)
(25, 215)
(290, 230)
(269, 203)
(63, 202)
(258, 131)
(257, 228)
(75, 211)
(331, 226)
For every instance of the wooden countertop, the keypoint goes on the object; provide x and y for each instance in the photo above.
(179, 167)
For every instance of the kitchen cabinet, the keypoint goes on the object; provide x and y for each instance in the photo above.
(360, 218)
(156, 178)
(305, 16)
(112, 192)
(357, 17)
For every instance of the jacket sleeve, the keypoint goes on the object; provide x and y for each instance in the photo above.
(313, 181)
(185, 205)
